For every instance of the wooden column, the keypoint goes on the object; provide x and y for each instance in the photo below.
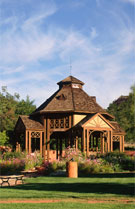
(29, 142)
(70, 122)
(60, 147)
(123, 144)
(111, 142)
(41, 147)
(102, 143)
(26, 141)
(108, 142)
(87, 142)
(76, 143)
(48, 140)
(57, 148)
(83, 140)
(44, 140)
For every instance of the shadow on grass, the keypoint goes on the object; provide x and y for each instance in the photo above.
(97, 188)
(109, 175)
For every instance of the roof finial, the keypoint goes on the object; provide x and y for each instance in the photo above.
(70, 67)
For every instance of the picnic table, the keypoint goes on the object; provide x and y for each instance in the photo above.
(6, 179)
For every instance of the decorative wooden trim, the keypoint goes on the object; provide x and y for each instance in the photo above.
(98, 114)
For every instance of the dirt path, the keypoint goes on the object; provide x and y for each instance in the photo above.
(91, 201)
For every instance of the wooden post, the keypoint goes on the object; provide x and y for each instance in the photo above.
(48, 140)
(29, 142)
(44, 140)
(41, 148)
(70, 122)
(76, 143)
(111, 142)
(108, 142)
(102, 143)
(60, 147)
(123, 143)
(26, 141)
(83, 140)
(57, 148)
(87, 143)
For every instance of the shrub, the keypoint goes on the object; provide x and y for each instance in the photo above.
(13, 155)
(3, 138)
(72, 154)
(14, 166)
(15, 162)
(120, 161)
(32, 160)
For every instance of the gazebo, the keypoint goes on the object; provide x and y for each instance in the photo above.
(70, 117)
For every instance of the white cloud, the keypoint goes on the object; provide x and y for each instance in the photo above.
(129, 1)
(100, 65)
(93, 33)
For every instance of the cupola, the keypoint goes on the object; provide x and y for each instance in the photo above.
(71, 81)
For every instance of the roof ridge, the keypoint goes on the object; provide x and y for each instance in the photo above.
(73, 99)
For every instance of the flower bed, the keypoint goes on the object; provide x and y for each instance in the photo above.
(14, 163)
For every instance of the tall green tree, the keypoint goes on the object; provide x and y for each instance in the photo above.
(10, 108)
(124, 111)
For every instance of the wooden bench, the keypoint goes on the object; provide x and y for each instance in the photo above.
(6, 179)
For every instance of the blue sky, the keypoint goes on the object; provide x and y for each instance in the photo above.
(38, 38)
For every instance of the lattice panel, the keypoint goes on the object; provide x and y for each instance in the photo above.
(35, 134)
(59, 123)
(116, 138)
(52, 123)
(67, 122)
(62, 123)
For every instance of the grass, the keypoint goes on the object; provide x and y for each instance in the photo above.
(96, 186)
(66, 205)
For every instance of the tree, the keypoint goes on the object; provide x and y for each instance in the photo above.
(3, 138)
(10, 108)
(124, 111)
(25, 107)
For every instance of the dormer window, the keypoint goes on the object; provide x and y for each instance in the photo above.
(76, 86)
(61, 97)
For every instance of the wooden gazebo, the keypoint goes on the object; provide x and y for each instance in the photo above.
(70, 117)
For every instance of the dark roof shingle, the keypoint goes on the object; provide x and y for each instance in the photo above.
(30, 123)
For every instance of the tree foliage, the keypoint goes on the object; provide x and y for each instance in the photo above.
(3, 138)
(124, 111)
(11, 107)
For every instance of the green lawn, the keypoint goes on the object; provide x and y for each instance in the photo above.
(66, 205)
(96, 186)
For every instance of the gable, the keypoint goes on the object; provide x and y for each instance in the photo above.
(20, 127)
(97, 121)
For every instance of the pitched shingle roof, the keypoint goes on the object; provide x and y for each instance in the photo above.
(117, 127)
(70, 99)
(71, 79)
(30, 123)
